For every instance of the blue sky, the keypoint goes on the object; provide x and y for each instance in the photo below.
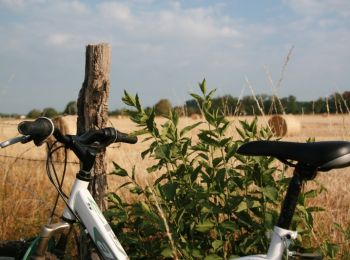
(162, 49)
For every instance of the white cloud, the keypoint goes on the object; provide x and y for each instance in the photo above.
(19, 4)
(60, 39)
(160, 40)
(114, 11)
(79, 7)
(189, 24)
(320, 7)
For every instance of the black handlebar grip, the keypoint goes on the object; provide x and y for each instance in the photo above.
(125, 138)
(39, 130)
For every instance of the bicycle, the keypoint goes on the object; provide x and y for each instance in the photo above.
(309, 158)
(80, 206)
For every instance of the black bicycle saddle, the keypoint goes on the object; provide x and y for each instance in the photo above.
(322, 156)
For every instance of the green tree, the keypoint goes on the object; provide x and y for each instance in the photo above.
(320, 106)
(163, 107)
(34, 113)
(50, 112)
(71, 108)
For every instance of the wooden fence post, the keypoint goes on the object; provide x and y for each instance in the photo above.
(93, 110)
(93, 114)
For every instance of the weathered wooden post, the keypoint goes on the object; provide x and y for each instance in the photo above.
(93, 114)
(93, 109)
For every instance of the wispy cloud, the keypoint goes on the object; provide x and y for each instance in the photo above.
(60, 39)
(176, 43)
(320, 7)
(114, 12)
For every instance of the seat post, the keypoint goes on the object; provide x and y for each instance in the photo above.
(291, 199)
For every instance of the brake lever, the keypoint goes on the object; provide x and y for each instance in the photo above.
(23, 139)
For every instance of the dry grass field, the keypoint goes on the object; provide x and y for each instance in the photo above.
(26, 196)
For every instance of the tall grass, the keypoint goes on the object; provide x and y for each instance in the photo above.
(26, 196)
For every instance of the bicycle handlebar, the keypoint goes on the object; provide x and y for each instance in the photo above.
(125, 138)
(42, 128)
(38, 130)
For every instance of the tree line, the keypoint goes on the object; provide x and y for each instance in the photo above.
(337, 103)
(269, 104)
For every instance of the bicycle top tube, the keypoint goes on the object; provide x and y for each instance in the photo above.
(321, 156)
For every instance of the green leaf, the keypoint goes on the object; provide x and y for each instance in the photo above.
(153, 168)
(211, 93)
(169, 190)
(112, 197)
(133, 173)
(197, 97)
(119, 171)
(136, 190)
(223, 129)
(128, 100)
(225, 141)
(197, 254)
(137, 103)
(241, 133)
(205, 138)
(217, 244)
(189, 128)
(229, 225)
(124, 185)
(311, 194)
(213, 257)
(205, 226)
(270, 192)
(195, 172)
(203, 86)
(139, 132)
(217, 160)
(145, 207)
(231, 150)
(315, 209)
(167, 252)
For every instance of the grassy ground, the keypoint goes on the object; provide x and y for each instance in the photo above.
(26, 195)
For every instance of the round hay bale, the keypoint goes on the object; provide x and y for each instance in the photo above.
(282, 125)
(68, 126)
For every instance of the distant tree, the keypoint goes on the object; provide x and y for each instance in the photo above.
(346, 96)
(320, 106)
(225, 104)
(191, 107)
(50, 112)
(34, 113)
(71, 108)
(290, 104)
(163, 107)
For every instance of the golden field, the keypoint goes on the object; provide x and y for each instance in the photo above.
(26, 195)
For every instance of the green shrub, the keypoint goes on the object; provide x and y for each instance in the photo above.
(163, 107)
(71, 108)
(50, 112)
(208, 202)
(34, 113)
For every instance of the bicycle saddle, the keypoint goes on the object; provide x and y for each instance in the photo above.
(322, 156)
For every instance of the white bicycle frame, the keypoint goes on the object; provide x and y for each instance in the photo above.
(96, 225)
(82, 203)
(280, 241)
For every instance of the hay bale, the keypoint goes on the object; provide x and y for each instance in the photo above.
(67, 126)
(282, 125)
